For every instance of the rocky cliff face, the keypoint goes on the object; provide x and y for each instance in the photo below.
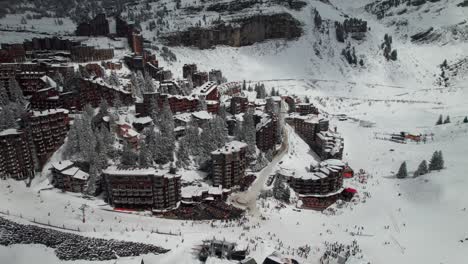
(240, 32)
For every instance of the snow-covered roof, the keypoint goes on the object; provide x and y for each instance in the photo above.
(49, 112)
(10, 131)
(203, 115)
(101, 82)
(260, 102)
(205, 89)
(137, 171)
(61, 165)
(143, 120)
(263, 122)
(81, 175)
(51, 83)
(233, 146)
(76, 173)
(184, 117)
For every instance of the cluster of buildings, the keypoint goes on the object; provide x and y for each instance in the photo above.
(314, 130)
(322, 184)
(170, 91)
(53, 49)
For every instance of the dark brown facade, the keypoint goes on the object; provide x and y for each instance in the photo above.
(229, 164)
(239, 104)
(16, 159)
(47, 131)
(85, 53)
(177, 103)
(141, 188)
(267, 127)
(99, 26)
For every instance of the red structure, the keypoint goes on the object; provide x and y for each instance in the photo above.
(93, 90)
(177, 103)
(85, 53)
(136, 42)
(16, 159)
(94, 69)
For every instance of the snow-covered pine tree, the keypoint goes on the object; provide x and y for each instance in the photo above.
(183, 156)
(192, 136)
(4, 99)
(422, 169)
(440, 120)
(447, 120)
(91, 186)
(222, 112)
(437, 161)
(165, 141)
(128, 157)
(402, 172)
(441, 162)
(87, 139)
(59, 79)
(202, 104)
(117, 103)
(16, 94)
(149, 85)
(113, 79)
(72, 146)
(269, 155)
(270, 106)
(249, 133)
(145, 158)
(7, 118)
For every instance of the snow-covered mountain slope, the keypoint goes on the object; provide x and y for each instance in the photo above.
(317, 54)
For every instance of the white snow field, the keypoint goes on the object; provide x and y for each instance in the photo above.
(426, 216)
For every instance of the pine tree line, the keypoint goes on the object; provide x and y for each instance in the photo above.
(436, 163)
(441, 120)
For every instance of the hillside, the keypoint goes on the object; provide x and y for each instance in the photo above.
(338, 55)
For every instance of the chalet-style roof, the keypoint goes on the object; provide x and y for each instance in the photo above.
(76, 173)
(61, 165)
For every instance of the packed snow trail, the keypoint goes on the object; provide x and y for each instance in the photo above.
(248, 199)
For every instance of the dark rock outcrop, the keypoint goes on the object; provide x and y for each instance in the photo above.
(240, 32)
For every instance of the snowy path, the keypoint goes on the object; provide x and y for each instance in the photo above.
(248, 199)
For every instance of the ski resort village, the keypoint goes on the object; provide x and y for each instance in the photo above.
(243, 132)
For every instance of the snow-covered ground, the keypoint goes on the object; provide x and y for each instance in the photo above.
(428, 213)
(426, 216)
